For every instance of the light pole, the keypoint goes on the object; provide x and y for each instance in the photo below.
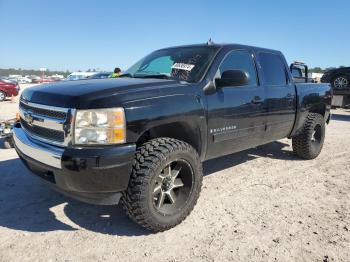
(42, 70)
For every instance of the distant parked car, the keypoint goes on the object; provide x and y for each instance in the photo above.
(8, 89)
(24, 80)
(21, 81)
(12, 79)
(47, 80)
(100, 75)
(338, 77)
(34, 78)
(79, 75)
(340, 81)
(55, 79)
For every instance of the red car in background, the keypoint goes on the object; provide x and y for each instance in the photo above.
(8, 89)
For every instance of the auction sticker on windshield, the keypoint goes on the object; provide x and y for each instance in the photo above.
(182, 66)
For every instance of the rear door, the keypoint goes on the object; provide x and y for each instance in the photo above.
(280, 95)
(236, 113)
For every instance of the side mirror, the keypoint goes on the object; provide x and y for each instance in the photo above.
(232, 78)
(209, 88)
(296, 72)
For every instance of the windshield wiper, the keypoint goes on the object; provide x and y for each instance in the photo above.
(126, 75)
(160, 76)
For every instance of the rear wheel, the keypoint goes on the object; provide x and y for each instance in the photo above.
(165, 184)
(341, 82)
(309, 142)
(2, 96)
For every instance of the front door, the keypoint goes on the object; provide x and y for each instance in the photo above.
(236, 114)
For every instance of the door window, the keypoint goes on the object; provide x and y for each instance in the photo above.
(239, 60)
(273, 69)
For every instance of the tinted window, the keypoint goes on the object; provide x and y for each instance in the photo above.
(240, 60)
(273, 69)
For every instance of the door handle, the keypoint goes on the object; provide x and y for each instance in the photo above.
(256, 100)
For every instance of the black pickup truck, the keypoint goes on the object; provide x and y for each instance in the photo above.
(142, 138)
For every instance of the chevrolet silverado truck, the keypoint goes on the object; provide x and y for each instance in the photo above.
(141, 139)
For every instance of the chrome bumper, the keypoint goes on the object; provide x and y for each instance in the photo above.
(43, 153)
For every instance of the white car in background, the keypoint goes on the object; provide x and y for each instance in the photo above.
(79, 75)
(24, 80)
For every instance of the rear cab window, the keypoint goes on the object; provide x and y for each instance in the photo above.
(273, 69)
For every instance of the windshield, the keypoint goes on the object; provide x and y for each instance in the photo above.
(181, 63)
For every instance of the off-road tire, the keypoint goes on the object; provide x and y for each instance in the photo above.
(303, 144)
(150, 158)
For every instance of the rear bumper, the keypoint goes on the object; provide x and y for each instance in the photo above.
(95, 175)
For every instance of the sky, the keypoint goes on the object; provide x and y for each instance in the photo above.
(78, 35)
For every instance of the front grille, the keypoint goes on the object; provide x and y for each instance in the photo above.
(46, 123)
(44, 112)
(50, 134)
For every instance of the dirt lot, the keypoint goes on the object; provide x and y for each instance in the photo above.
(262, 204)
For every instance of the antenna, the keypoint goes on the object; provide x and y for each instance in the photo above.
(210, 42)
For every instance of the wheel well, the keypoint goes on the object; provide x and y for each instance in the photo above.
(319, 109)
(178, 130)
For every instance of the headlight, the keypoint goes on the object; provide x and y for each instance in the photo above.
(100, 126)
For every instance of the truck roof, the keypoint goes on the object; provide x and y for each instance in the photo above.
(222, 45)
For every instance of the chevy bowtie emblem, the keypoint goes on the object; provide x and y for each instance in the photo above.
(28, 118)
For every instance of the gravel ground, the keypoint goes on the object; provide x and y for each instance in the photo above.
(262, 204)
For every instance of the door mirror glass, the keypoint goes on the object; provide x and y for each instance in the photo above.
(232, 78)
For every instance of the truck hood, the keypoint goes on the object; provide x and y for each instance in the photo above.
(97, 93)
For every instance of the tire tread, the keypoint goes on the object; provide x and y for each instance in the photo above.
(301, 143)
(147, 157)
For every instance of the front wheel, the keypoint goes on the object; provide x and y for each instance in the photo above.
(309, 142)
(164, 185)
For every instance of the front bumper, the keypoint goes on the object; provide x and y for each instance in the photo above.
(95, 175)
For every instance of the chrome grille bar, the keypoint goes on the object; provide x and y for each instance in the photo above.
(48, 124)
(44, 110)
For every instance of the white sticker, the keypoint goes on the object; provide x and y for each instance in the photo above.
(182, 66)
